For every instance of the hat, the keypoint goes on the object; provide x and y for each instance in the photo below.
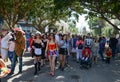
(19, 29)
(38, 33)
(4, 29)
(32, 34)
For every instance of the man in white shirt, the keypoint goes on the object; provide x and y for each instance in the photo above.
(4, 43)
(88, 41)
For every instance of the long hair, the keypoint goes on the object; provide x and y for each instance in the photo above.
(37, 35)
(52, 35)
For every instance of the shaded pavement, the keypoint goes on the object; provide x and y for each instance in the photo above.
(101, 72)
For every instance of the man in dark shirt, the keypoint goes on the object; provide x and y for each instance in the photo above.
(113, 44)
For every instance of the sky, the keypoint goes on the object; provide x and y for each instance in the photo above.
(82, 23)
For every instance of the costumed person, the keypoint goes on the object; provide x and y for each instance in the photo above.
(4, 43)
(37, 46)
(52, 51)
(20, 46)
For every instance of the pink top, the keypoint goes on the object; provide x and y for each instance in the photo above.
(79, 41)
(11, 46)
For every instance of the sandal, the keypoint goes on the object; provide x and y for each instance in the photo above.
(52, 74)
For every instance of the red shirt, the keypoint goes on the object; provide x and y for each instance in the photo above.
(31, 41)
(86, 52)
(79, 41)
(108, 53)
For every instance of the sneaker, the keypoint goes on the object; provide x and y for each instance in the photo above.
(62, 69)
(11, 73)
(19, 72)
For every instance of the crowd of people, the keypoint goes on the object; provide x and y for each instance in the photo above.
(56, 47)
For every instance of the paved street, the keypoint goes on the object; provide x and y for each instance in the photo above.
(101, 72)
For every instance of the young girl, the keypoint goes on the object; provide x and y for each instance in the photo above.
(52, 51)
(37, 46)
(11, 49)
(108, 55)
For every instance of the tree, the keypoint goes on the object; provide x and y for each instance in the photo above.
(41, 14)
(96, 24)
(105, 9)
(14, 10)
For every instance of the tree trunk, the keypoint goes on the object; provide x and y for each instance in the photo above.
(116, 27)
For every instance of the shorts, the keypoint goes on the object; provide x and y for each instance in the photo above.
(37, 55)
(63, 51)
(52, 53)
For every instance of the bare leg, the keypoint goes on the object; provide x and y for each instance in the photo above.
(50, 60)
(53, 64)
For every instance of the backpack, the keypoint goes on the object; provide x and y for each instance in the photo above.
(80, 46)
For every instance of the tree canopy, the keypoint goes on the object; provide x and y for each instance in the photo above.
(14, 10)
(44, 13)
(105, 9)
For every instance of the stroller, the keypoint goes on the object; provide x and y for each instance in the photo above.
(86, 60)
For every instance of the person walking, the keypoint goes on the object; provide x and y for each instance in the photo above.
(4, 43)
(44, 39)
(79, 48)
(63, 52)
(113, 45)
(52, 51)
(31, 50)
(101, 49)
(95, 49)
(37, 46)
(20, 46)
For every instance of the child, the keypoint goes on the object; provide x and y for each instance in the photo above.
(86, 54)
(11, 49)
(108, 55)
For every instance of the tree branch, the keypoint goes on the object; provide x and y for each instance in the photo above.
(110, 23)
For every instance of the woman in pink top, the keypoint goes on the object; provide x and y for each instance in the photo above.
(79, 48)
(11, 48)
